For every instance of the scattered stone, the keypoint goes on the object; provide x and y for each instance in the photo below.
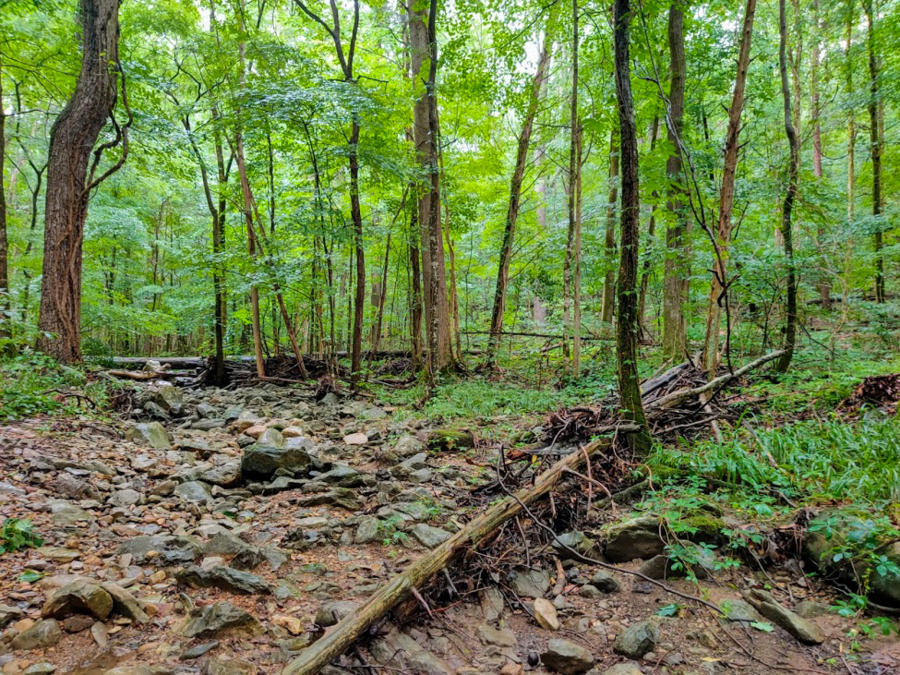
(575, 540)
(430, 537)
(606, 582)
(271, 437)
(367, 530)
(100, 634)
(153, 434)
(193, 491)
(161, 548)
(810, 609)
(546, 615)
(8, 614)
(169, 398)
(262, 461)
(226, 578)
(197, 651)
(637, 639)
(218, 618)
(59, 554)
(227, 474)
(399, 650)
(739, 610)
(77, 623)
(43, 634)
(127, 497)
(332, 612)
(67, 514)
(358, 438)
(42, 668)
(566, 657)
(407, 446)
(343, 497)
(291, 624)
(502, 637)
(530, 583)
(450, 439)
(635, 538)
(79, 597)
(125, 603)
(626, 668)
(492, 603)
(229, 666)
(804, 630)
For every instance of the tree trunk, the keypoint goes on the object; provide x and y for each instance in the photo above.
(824, 285)
(790, 328)
(218, 245)
(876, 144)
(627, 323)
(356, 217)
(4, 242)
(718, 291)
(512, 211)
(71, 140)
(609, 281)
(851, 166)
(675, 282)
(651, 233)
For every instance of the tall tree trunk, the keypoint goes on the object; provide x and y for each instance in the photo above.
(627, 323)
(512, 211)
(609, 281)
(875, 141)
(824, 285)
(356, 217)
(790, 328)
(574, 239)
(651, 233)
(423, 46)
(4, 242)
(218, 245)
(675, 282)
(718, 292)
(576, 262)
(71, 140)
(851, 164)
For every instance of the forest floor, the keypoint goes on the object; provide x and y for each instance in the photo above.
(186, 545)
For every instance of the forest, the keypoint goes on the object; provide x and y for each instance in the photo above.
(449, 336)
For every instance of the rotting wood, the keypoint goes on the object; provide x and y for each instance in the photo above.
(349, 629)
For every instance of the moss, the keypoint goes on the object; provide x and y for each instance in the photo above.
(701, 527)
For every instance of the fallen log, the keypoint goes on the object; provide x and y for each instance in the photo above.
(351, 627)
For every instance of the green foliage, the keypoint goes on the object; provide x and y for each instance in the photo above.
(18, 533)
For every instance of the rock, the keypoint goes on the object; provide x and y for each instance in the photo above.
(152, 433)
(292, 432)
(59, 554)
(400, 651)
(635, 538)
(79, 597)
(262, 461)
(332, 612)
(100, 634)
(197, 651)
(530, 583)
(226, 578)
(8, 614)
(77, 623)
(738, 610)
(208, 424)
(67, 514)
(637, 639)
(809, 609)
(229, 666)
(169, 398)
(545, 614)
(193, 491)
(271, 437)
(343, 497)
(227, 474)
(125, 603)
(218, 618)
(574, 540)
(804, 630)
(43, 634)
(358, 438)
(161, 548)
(502, 637)
(626, 668)
(204, 409)
(407, 446)
(606, 582)
(345, 476)
(367, 530)
(566, 657)
(123, 498)
(492, 603)
(449, 439)
(428, 536)
(291, 624)
(42, 668)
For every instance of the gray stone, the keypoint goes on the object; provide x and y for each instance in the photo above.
(43, 634)
(262, 461)
(216, 619)
(79, 597)
(345, 476)
(152, 433)
(197, 651)
(492, 603)
(739, 610)
(332, 612)
(502, 637)
(567, 657)
(126, 497)
(530, 583)
(606, 582)
(226, 474)
(271, 437)
(226, 578)
(208, 424)
(637, 639)
(162, 549)
(804, 630)
(626, 668)
(407, 446)
(67, 514)
(428, 536)
(635, 538)
(193, 491)
(577, 541)
(204, 409)
(42, 668)
(8, 614)
(299, 443)
(125, 603)
(401, 651)
(367, 530)
(343, 497)
(169, 398)
(545, 614)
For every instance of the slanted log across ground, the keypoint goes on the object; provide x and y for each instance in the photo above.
(349, 629)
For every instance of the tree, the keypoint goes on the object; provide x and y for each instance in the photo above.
(627, 326)
(876, 133)
(718, 295)
(675, 281)
(70, 181)
(572, 267)
(515, 192)
(4, 242)
(790, 327)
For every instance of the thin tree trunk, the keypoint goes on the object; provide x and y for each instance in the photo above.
(851, 166)
(718, 291)
(379, 315)
(651, 233)
(512, 211)
(356, 217)
(576, 260)
(790, 329)
(824, 285)
(218, 245)
(609, 281)
(875, 143)
(574, 239)
(4, 241)
(71, 140)
(627, 324)
(675, 282)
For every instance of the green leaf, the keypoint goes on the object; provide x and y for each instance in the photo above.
(764, 626)
(672, 609)
(30, 576)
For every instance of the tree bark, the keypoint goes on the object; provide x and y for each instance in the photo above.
(790, 328)
(356, 217)
(512, 211)
(675, 282)
(71, 139)
(875, 141)
(4, 241)
(574, 258)
(851, 164)
(824, 285)
(651, 234)
(626, 293)
(609, 281)
(717, 295)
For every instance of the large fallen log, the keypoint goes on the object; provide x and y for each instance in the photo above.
(349, 629)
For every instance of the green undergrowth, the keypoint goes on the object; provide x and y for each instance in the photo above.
(32, 384)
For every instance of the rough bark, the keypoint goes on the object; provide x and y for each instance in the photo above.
(4, 242)
(824, 284)
(851, 162)
(512, 211)
(609, 281)
(626, 293)
(356, 218)
(651, 234)
(675, 282)
(790, 327)
(717, 299)
(574, 268)
(875, 141)
(71, 139)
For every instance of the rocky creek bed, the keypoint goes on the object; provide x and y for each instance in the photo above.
(222, 531)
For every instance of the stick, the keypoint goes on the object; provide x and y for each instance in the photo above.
(346, 632)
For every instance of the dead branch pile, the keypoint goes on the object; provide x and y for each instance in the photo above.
(882, 391)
